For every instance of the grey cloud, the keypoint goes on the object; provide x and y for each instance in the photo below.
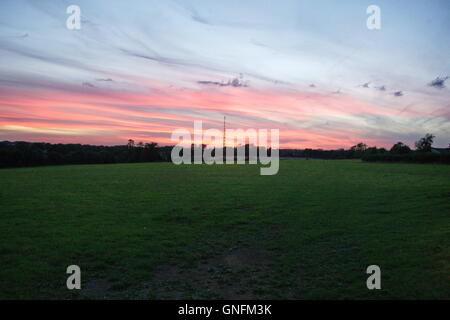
(212, 82)
(147, 57)
(157, 58)
(438, 83)
(398, 93)
(192, 12)
(235, 82)
(8, 80)
(406, 108)
(264, 78)
(107, 79)
(21, 36)
(199, 19)
(34, 54)
(87, 84)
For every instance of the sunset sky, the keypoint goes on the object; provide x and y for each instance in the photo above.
(141, 69)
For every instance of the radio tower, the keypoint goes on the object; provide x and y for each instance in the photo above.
(224, 136)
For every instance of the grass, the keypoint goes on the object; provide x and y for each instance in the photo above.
(157, 231)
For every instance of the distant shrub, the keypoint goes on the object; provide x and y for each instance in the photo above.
(416, 157)
(400, 148)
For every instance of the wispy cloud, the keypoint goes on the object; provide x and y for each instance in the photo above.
(365, 85)
(161, 65)
(88, 84)
(235, 82)
(106, 80)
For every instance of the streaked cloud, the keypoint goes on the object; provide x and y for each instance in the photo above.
(235, 82)
(142, 71)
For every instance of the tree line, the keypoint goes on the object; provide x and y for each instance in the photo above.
(24, 154)
(400, 152)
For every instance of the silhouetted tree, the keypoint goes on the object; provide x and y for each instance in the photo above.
(425, 143)
(357, 151)
(400, 148)
(360, 147)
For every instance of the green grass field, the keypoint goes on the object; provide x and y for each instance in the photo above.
(160, 231)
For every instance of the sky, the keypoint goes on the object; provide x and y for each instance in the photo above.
(142, 69)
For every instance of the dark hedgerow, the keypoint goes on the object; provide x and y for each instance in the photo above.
(415, 157)
(27, 154)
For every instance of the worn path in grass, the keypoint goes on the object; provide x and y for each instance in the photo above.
(157, 230)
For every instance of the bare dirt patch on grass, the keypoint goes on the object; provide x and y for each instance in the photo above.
(227, 269)
(242, 272)
(233, 275)
(97, 289)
